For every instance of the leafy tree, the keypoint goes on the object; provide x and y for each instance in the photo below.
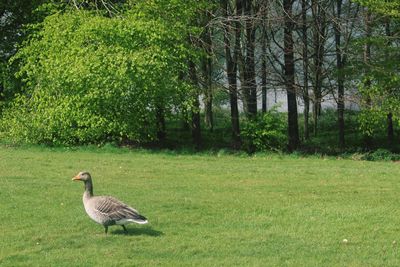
(14, 15)
(90, 78)
(389, 7)
(377, 71)
(379, 84)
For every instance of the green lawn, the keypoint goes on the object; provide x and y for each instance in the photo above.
(204, 210)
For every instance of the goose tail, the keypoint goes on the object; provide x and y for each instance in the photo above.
(140, 219)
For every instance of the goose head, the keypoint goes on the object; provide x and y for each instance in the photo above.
(82, 176)
(87, 180)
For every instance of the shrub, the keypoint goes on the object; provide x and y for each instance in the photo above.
(265, 132)
(381, 154)
(93, 79)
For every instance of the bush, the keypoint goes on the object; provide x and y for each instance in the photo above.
(381, 154)
(93, 79)
(265, 132)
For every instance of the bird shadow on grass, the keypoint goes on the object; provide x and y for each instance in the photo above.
(138, 231)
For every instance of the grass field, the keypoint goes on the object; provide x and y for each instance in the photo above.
(204, 210)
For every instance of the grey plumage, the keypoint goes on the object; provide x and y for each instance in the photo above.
(107, 210)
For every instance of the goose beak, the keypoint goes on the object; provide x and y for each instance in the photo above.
(76, 178)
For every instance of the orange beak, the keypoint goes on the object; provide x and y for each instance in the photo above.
(76, 178)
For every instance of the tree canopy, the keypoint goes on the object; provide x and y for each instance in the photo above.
(90, 78)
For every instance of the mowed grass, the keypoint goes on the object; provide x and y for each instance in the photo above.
(204, 210)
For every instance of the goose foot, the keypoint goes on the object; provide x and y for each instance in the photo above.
(126, 231)
(105, 229)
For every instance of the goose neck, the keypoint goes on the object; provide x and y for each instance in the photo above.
(88, 188)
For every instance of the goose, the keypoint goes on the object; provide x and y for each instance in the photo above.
(106, 210)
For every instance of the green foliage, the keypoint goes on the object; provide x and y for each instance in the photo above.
(381, 155)
(265, 132)
(220, 98)
(327, 120)
(378, 81)
(372, 120)
(90, 78)
(388, 7)
(14, 14)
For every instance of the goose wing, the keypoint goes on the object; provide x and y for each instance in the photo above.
(116, 210)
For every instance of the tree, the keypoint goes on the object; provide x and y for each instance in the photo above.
(293, 131)
(231, 69)
(249, 82)
(340, 61)
(389, 8)
(264, 13)
(377, 71)
(305, 90)
(14, 15)
(319, 39)
(195, 106)
(207, 68)
(94, 78)
(245, 42)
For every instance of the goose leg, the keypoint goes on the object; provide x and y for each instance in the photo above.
(123, 226)
(106, 229)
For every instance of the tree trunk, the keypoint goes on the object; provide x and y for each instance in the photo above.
(161, 133)
(367, 57)
(293, 130)
(185, 119)
(196, 130)
(208, 96)
(319, 47)
(306, 98)
(233, 99)
(390, 131)
(250, 88)
(263, 67)
(231, 67)
(340, 78)
(207, 70)
(340, 109)
(239, 59)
